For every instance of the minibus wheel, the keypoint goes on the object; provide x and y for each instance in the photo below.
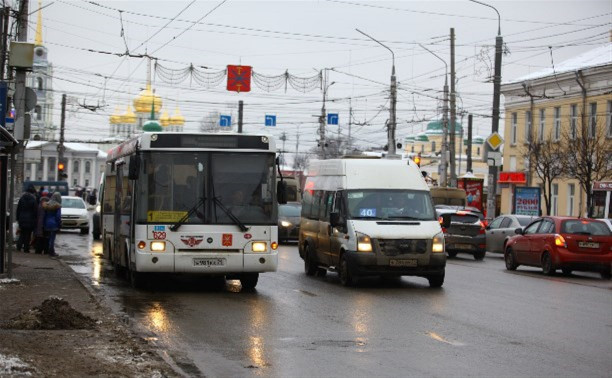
(310, 261)
(346, 276)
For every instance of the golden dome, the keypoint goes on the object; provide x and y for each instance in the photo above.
(128, 116)
(146, 99)
(177, 119)
(165, 119)
(115, 118)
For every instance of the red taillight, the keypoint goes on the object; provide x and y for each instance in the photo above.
(444, 230)
(484, 221)
(482, 228)
(441, 220)
(560, 241)
(462, 213)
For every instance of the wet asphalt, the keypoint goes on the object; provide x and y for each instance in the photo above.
(485, 321)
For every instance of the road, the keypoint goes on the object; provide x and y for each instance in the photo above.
(485, 321)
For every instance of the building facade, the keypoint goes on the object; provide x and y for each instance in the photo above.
(547, 104)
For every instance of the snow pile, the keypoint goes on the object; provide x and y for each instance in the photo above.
(53, 313)
(13, 366)
(8, 281)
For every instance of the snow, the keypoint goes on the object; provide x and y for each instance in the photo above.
(14, 366)
(8, 280)
(599, 56)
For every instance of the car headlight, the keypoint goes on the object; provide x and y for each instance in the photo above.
(364, 243)
(285, 224)
(437, 244)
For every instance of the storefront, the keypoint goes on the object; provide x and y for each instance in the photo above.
(602, 205)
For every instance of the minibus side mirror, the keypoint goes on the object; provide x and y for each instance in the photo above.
(446, 220)
(334, 219)
(134, 168)
(281, 192)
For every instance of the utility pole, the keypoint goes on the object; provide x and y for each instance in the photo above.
(283, 137)
(323, 116)
(469, 145)
(350, 122)
(453, 112)
(240, 109)
(60, 146)
(20, 86)
(393, 101)
(3, 46)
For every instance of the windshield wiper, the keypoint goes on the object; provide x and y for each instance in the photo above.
(231, 215)
(184, 219)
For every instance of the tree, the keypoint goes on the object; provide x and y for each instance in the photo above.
(210, 122)
(336, 147)
(300, 162)
(545, 158)
(587, 155)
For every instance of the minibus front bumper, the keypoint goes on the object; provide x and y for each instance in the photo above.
(370, 264)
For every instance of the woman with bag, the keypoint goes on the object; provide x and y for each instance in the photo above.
(53, 220)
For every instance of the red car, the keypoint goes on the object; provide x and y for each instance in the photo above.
(564, 243)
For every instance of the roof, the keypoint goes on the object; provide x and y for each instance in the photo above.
(600, 56)
(435, 127)
(69, 145)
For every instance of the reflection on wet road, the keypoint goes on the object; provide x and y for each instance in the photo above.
(485, 321)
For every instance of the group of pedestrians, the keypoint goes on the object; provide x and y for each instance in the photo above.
(39, 214)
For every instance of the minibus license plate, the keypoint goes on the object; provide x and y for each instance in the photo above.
(208, 262)
(588, 244)
(407, 262)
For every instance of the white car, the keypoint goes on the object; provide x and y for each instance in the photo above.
(75, 214)
(607, 221)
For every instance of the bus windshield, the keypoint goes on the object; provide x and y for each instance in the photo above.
(390, 204)
(213, 184)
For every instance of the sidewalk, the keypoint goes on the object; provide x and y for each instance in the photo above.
(79, 338)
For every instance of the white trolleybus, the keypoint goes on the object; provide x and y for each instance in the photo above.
(192, 203)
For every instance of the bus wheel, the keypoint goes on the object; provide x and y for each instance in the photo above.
(138, 280)
(249, 280)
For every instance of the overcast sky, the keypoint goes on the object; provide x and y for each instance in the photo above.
(304, 37)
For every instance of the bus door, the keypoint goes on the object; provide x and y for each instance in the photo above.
(118, 255)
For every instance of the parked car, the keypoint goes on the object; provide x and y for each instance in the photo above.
(74, 214)
(502, 228)
(465, 234)
(564, 243)
(607, 221)
(289, 222)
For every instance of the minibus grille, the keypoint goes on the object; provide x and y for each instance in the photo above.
(394, 247)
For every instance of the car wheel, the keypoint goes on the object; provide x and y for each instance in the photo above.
(321, 272)
(606, 273)
(452, 253)
(479, 255)
(547, 267)
(310, 261)
(346, 275)
(249, 280)
(566, 271)
(510, 259)
(436, 280)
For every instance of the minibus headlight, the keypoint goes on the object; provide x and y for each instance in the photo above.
(158, 246)
(259, 247)
(437, 244)
(364, 243)
(285, 224)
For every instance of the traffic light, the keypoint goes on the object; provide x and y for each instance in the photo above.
(417, 160)
(60, 171)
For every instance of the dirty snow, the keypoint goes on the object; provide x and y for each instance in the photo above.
(14, 366)
(8, 280)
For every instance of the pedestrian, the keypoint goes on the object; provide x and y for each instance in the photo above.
(93, 198)
(27, 209)
(41, 243)
(40, 193)
(53, 220)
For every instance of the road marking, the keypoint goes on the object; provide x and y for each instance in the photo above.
(437, 337)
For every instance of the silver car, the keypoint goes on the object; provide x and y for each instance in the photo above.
(502, 228)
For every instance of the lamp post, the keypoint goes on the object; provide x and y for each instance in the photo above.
(443, 159)
(392, 120)
(492, 180)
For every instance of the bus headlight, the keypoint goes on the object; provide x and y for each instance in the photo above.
(437, 244)
(158, 246)
(259, 247)
(364, 243)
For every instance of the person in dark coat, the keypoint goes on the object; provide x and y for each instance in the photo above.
(41, 240)
(93, 197)
(53, 219)
(27, 209)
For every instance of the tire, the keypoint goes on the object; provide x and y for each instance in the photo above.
(347, 278)
(436, 280)
(479, 255)
(321, 272)
(249, 281)
(452, 254)
(85, 231)
(566, 271)
(547, 265)
(510, 259)
(138, 280)
(606, 274)
(310, 261)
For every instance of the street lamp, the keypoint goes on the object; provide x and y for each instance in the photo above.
(492, 180)
(443, 162)
(392, 120)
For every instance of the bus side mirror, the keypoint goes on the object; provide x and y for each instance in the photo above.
(281, 192)
(134, 168)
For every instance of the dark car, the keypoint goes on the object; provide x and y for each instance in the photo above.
(289, 222)
(465, 234)
(564, 243)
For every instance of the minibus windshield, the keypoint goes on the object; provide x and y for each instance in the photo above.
(394, 204)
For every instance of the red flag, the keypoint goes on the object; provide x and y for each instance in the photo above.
(239, 78)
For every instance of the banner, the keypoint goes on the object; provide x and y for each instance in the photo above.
(473, 191)
(527, 201)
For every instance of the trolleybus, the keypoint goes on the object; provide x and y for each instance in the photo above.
(192, 203)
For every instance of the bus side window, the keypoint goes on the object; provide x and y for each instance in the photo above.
(109, 194)
(326, 205)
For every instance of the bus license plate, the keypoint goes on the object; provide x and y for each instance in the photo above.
(408, 262)
(588, 244)
(208, 262)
